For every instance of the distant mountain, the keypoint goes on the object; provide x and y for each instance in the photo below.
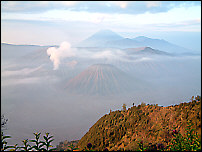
(123, 130)
(143, 41)
(123, 43)
(13, 51)
(160, 44)
(145, 51)
(99, 39)
(109, 39)
(28, 45)
(103, 79)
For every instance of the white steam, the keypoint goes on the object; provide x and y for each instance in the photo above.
(104, 54)
(72, 64)
(57, 54)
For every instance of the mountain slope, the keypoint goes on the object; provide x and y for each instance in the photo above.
(123, 130)
(99, 39)
(11, 51)
(160, 44)
(145, 51)
(109, 39)
(102, 79)
(142, 41)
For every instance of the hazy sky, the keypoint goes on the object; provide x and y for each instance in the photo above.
(50, 23)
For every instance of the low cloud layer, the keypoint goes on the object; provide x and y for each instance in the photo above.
(72, 63)
(21, 72)
(57, 54)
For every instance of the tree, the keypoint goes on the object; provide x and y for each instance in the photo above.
(3, 122)
(124, 107)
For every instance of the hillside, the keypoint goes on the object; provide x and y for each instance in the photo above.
(99, 39)
(123, 129)
(144, 51)
(103, 79)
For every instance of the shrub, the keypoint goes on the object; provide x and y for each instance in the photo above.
(190, 141)
(38, 144)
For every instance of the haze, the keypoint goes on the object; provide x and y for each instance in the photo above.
(66, 64)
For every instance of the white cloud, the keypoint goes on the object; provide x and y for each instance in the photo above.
(143, 59)
(122, 4)
(110, 55)
(152, 3)
(72, 63)
(104, 54)
(21, 72)
(57, 54)
(172, 16)
(68, 3)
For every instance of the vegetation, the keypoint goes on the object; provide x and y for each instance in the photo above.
(67, 145)
(39, 145)
(190, 141)
(3, 122)
(140, 128)
(151, 124)
(124, 107)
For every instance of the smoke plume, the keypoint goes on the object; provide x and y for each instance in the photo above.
(57, 54)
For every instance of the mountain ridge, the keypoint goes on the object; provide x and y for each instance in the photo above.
(124, 129)
(145, 50)
(99, 38)
(117, 41)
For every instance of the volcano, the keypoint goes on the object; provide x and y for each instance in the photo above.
(145, 51)
(102, 79)
(100, 38)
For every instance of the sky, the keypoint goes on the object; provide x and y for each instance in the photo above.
(52, 22)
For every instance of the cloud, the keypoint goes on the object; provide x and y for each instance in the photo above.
(72, 63)
(122, 4)
(104, 54)
(22, 72)
(35, 6)
(32, 80)
(143, 59)
(68, 3)
(152, 3)
(132, 7)
(111, 55)
(57, 54)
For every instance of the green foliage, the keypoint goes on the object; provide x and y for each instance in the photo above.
(4, 143)
(26, 146)
(47, 142)
(190, 141)
(72, 148)
(38, 144)
(141, 147)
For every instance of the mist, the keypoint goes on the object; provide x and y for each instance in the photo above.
(35, 97)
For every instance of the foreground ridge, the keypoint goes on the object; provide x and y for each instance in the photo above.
(153, 124)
